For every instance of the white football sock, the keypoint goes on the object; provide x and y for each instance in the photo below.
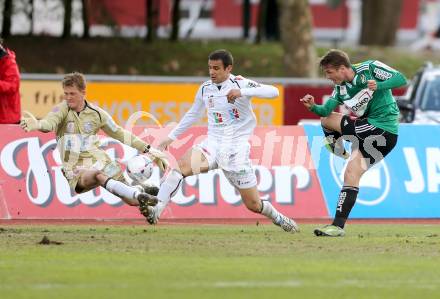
(168, 189)
(269, 211)
(120, 189)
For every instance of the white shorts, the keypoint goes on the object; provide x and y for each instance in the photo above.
(234, 161)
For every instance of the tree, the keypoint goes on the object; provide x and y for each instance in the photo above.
(380, 21)
(262, 14)
(268, 21)
(246, 22)
(175, 18)
(152, 19)
(272, 26)
(297, 39)
(85, 17)
(67, 23)
(7, 15)
(30, 12)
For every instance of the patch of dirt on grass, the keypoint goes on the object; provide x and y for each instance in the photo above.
(46, 241)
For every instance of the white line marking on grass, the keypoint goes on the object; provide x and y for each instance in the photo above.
(49, 286)
(355, 283)
(240, 284)
(247, 284)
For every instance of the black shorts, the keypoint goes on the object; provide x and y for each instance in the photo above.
(374, 143)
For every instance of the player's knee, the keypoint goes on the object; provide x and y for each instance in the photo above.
(325, 121)
(97, 174)
(253, 205)
(184, 167)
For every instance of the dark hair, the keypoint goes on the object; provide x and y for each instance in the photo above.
(335, 58)
(224, 55)
(75, 79)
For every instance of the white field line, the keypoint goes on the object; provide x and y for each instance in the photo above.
(363, 284)
(244, 284)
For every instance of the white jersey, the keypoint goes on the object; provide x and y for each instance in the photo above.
(228, 123)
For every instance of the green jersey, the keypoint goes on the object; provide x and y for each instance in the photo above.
(379, 107)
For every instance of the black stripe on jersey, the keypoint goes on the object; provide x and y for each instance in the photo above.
(233, 81)
(99, 114)
(205, 85)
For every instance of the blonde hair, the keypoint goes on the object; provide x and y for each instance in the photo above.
(75, 79)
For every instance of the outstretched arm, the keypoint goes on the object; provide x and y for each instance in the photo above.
(249, 88)
(260, 91)
(47, 124)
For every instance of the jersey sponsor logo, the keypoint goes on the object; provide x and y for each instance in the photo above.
(234, 113)
(343, 90)
(211, 101)
(359, 105)
(363, 79)
(88, 127)
(345, 122)
(70, 127)
(374, 186)
(218, 118)
(253, 84)
(359, 102)
(241, 183)
(381, 74)
(384, 66)
(78, 143)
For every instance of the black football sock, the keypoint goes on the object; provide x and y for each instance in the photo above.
(346, 201)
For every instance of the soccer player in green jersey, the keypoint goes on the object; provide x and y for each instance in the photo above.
(365, 89)
(86, 166)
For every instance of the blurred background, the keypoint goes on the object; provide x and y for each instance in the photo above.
(169, 37)
(269, 39)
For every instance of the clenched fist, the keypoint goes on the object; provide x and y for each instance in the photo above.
(308, 101)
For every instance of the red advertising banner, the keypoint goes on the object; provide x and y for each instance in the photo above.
(294, 111)
(32, 185)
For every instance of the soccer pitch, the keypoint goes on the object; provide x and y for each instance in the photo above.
(219, 261)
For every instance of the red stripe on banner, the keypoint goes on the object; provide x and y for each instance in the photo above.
(33, 187)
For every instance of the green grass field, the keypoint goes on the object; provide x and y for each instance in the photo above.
(215, 261)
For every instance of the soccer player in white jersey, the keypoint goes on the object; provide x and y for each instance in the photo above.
(231, 122)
